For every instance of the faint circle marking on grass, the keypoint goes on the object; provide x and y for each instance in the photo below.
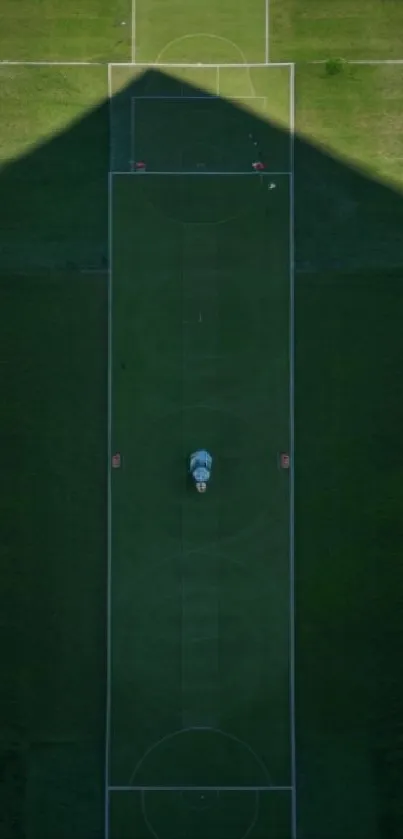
(193, 35)
(252, 822)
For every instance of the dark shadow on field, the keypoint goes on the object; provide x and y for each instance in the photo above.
(349, 532)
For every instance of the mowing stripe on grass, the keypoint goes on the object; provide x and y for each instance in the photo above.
(200, 627)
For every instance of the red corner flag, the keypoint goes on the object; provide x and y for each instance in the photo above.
(116, 461)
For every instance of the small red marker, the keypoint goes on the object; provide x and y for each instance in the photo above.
(116, 461)
(285, 460)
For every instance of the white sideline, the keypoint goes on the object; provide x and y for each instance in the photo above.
(292, 459)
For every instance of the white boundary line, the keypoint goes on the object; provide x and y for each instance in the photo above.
(202, 174)
(133, 32)
(292, 458)
(196, 789)
(197, 65)
(109, 520)
(267, 29)
(201, 66)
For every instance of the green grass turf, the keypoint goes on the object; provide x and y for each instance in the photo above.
(349, 346)
(76, 30)
(208, 638)
(53, 434)
(231, 31)
(55, 183)
(349, 349)
(357, 116)
(208, 120)
(353, 29)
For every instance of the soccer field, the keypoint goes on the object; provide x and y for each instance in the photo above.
(200, 716)
(166, 670)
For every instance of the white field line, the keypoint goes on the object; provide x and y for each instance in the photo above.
(133, 32)
(200, 65)
(218, 81)
(196, 789)
(109, 520)
(204, 174)
(292, 458)
(267, 38)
